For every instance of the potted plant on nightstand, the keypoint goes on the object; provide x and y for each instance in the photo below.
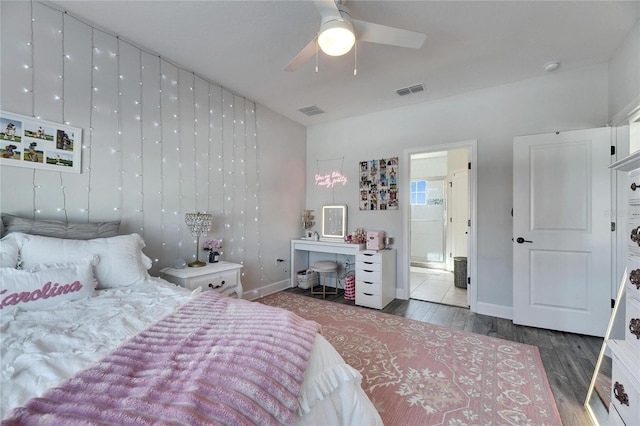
(213, 247)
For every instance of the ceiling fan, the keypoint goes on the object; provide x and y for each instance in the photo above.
(338, 33)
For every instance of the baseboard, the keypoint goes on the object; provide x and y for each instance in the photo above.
(402, 293)
(499, 311)
(266, 290)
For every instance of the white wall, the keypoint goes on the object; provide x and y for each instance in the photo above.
(565, 100)
(158, 141)
(624, 77)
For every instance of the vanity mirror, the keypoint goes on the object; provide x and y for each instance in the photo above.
(334, 222)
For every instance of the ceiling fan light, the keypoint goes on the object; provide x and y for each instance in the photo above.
(336, 38)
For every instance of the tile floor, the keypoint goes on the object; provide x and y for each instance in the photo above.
(434, 285)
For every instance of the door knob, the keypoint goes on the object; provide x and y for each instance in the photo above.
(521, 240)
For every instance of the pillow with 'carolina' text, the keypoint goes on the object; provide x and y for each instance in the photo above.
(47, 286)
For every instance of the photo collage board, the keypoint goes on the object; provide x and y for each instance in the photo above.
(379, 184)
(29, 142)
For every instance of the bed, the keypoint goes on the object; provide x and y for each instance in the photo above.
(70, 309)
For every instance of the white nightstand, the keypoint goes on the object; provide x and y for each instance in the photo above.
(223, 277)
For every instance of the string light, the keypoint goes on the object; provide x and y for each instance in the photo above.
(120, 140)
(229, 152)
(138, 102)
(88, 155)
(33, 102)
(162, 177)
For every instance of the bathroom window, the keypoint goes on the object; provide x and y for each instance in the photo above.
(418, 192)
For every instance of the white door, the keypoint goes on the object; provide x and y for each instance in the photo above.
(562, 231)
(460, 213)
(460, 217)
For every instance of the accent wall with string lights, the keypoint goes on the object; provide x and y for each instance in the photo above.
(158, 141)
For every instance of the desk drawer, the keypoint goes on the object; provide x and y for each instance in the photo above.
(369, 258)
(369, 275)
(368, 300)
(368, 266)
(368, 287)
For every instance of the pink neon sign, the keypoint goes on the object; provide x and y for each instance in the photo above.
(330, 179)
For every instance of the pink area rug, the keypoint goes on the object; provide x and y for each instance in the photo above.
(422, 374)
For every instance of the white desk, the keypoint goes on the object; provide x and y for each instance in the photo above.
(300, 253)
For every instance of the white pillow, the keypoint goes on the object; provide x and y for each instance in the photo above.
(47, 286)
(10, 250)
(122, 262)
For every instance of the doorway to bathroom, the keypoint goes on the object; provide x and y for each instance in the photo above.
(439, 226)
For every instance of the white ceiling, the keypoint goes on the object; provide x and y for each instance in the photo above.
(245, 45)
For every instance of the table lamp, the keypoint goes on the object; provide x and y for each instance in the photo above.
(199, 224)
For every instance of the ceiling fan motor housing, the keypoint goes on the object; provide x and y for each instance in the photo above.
(336, 36)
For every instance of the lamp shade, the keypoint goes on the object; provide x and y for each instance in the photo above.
(336, 37)
(198, 223)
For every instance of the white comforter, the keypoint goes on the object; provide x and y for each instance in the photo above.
(41, 348)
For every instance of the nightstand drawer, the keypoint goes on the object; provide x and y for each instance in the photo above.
(223, 277)
(219, 283)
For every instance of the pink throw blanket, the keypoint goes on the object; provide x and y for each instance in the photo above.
(215, 360)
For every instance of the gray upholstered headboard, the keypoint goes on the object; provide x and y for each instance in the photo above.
(59, 229)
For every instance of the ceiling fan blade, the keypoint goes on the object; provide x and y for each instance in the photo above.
(382, 34)
(327, 8)
(303, 56)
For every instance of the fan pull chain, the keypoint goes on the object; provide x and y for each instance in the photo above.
(316, 54)
(355, 58)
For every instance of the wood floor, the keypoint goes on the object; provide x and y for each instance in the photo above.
(569, 359)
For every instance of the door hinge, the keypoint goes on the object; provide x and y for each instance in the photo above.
(469, 222)
(469, 166)
(613, 226)
(613, 150)
(468, 280)
(613, 303)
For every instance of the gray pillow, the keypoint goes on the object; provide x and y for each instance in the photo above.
(60, 229)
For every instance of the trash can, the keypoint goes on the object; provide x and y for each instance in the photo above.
(350, 288)
(460, 272)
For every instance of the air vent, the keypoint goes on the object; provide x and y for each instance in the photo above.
(411, 89)
(311, 110)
